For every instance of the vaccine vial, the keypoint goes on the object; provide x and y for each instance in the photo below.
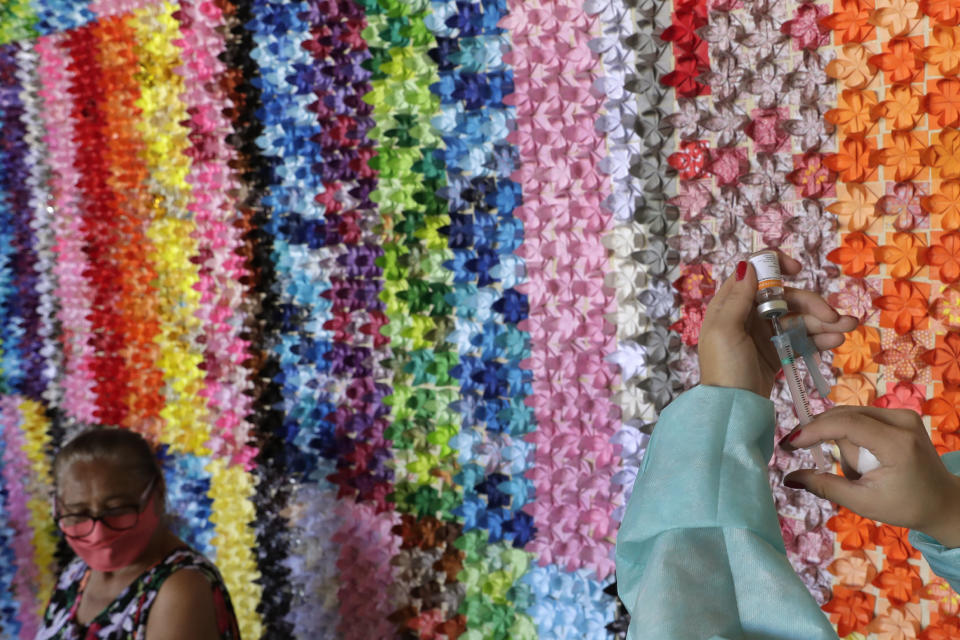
(770, 301)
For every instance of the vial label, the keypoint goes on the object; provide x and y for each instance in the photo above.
(767, 264)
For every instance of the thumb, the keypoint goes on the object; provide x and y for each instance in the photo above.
(830, 487)
(735, 300)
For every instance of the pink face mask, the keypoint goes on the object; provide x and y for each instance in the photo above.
(105, 549)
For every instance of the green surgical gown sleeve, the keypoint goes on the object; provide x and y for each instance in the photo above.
(699, 553)
(944, 562)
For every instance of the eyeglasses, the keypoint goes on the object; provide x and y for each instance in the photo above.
(79, 525)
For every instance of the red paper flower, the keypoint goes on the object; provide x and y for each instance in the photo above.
(811, 177)
(948, 601)
(766, 129)
(690, 159)
(695, 285)
(946, 308)
(807, 29)
(902, 395)
(903, 200)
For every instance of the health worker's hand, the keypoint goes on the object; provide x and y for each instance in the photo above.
(911, 487)
(735, 348)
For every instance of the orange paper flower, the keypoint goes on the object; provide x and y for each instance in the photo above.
(894, 541)
(946, 12)
(943, 101)
(903, 305)
(851, 21)
(853, 569)
(945, 204)
(899, 582)
(850, 610)
(944, 50)
(853, 389)
(854, 115)
(857, 351)
(853, 66)
(854, 160)
(904, 256)
(898, 17)
(855, 206)
(944, 359)
(902, 108)
(944, 255)
(855, 255)
(944, 155)
(898, 622)
(944, 441)
(853, 530)
(942, 629)
(902, 156)
(900, 59)
(944, 409)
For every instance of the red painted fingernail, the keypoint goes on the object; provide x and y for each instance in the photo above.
(793, 484)
(793, 436)
(741, 270)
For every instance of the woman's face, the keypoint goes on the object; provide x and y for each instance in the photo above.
(92, 488)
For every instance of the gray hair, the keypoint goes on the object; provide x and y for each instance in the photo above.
(118, 447)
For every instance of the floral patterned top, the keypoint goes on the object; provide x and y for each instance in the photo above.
(126, 617)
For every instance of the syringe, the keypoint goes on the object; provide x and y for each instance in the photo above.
(798, 392)
(772, 305)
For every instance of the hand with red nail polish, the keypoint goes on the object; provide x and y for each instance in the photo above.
(735, 348)
(911, 488)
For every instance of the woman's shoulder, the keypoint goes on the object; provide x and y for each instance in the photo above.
(187, 558)
(192, 597)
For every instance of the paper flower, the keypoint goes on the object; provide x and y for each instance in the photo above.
(943, 408)
(851, 21)
(902, 355)
(853, 569)
(850, 610)
(944, 50)
(902, 395)
(944, 155)
(855, 160)
(853, 389)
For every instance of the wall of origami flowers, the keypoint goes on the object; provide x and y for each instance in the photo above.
(399, 287)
